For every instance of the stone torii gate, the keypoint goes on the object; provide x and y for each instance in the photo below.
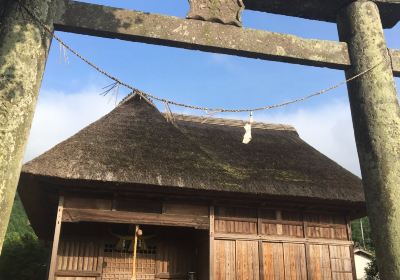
(214, 26)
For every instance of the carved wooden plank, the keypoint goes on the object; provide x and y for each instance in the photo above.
(97, 20)
(108, 216)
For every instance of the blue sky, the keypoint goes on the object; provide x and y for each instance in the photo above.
(69, 97)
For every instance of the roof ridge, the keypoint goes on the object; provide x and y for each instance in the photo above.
(231, 122)
(132, 95)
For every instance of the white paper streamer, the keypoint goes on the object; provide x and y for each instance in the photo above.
(247, 135)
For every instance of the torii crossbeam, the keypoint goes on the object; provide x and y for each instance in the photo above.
(213, 27)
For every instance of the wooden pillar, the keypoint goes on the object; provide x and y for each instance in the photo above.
(212, 242)
(56, 239)
(376, 120)
(23, 52)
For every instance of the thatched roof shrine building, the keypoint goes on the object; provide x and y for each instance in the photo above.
(210, 207)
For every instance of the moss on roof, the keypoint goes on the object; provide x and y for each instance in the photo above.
(134, 144)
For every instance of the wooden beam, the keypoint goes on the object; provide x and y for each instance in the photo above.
(97, 20)
(272, 238)
(261, 259)
(353, 263)
(108, 216)
(56, 239)
(74, 273)
(212, 243)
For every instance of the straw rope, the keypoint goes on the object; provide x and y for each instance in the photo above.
(167, 102)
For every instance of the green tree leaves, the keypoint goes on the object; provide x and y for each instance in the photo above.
(24, 257)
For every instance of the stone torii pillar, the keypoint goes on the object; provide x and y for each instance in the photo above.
(376, 120)
(23, 52)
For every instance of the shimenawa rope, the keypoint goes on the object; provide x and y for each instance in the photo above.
(193, 107)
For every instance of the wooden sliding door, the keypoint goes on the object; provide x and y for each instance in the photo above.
(236, 260)
(284, 261)
(245, 259)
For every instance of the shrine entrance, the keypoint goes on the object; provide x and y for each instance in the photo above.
(105, 251)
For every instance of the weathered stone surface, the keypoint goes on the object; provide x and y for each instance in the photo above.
(324, 10)
(376, 118)
(222, 11)
(395, 56)
(96, 20)
(129, 25)
(23, 52)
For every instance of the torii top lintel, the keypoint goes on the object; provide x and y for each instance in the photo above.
(207, 34)
(323, 10)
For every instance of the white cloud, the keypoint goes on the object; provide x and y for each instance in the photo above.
(59, 115)
(327, 128)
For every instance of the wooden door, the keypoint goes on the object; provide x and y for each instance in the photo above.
(284, 261)
(236, 260)
(247, 260)
(273, 261)
(295, 261)
(319, 263)
(224, 260)
(340, 257)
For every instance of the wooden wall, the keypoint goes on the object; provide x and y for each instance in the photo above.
(167, 253)
(236, 242)
(246, 259)
(79, 259)
(270, 244)
(271, 222)
(135, 211)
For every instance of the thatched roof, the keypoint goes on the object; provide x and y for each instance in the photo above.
(135, 149)
(135, 144)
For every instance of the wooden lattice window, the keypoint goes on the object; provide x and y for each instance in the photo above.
(118, 262)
